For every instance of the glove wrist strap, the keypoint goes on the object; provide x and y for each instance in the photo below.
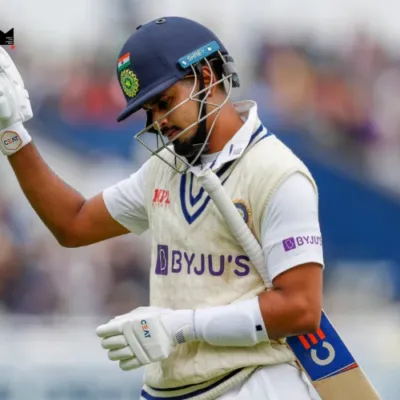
(13, 139)
(236, 324)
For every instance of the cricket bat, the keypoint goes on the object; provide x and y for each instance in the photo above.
(323, 356)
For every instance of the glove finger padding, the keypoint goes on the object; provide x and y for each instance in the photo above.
(131, 335)
(120, 354)
(25, 108)
(114, 342)
(5, 109)
(15, 95)
(5, 60)
(112, 328)
(127, 365)
(138, 338)
(7, 64)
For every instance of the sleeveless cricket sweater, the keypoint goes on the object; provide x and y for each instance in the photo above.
(197, 263)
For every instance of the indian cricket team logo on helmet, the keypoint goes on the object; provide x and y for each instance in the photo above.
(244, 211)
(129, 82)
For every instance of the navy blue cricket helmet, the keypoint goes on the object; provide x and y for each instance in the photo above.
(162, 52)
(153, 53)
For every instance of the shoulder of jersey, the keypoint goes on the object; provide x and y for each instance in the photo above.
(268, 152)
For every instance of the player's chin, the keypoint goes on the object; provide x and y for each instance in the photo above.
(183, 147)
(179, 137)
(182, 136)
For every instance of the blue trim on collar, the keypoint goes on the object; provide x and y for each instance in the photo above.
(254, 135)
(196, 199)
(191, 218)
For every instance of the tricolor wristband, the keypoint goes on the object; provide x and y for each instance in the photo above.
(13, 139)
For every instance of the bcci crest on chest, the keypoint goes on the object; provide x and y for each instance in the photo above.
(244, 211)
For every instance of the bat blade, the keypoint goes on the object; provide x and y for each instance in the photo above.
(347, 385)
(330, 366)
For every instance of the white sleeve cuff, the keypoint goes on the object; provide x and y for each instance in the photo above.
(125, 201)
(134, 224)
(293, 262)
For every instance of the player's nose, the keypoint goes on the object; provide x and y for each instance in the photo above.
(160, 121)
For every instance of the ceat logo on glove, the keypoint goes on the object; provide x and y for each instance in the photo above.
(145, 328)
(11, 140)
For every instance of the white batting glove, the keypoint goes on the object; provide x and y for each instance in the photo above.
(145, 335)
(15, 107)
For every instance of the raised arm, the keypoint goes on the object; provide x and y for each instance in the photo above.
(73, 220)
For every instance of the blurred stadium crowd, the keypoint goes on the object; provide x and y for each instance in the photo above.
(347, 101)
(346, 98)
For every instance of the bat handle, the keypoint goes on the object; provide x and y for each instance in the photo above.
(212, 185)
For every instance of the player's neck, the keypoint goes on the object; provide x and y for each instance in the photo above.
(227, 124)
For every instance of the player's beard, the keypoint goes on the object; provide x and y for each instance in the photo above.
(185, 147)
(190, 147)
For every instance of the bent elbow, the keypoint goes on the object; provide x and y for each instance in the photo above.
(311, 320)
(308, 315)
(67, 240)
(312, 323)
(68, 245)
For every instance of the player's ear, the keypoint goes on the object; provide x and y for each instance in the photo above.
(209, 78)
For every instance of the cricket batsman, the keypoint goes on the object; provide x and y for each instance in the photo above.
(212, 330)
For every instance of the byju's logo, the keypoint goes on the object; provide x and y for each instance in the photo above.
(289, 244)
(171, 261)
(294, 242)
(162, 260)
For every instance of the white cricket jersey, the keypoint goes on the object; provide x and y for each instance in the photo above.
(197, 263)
(292, 213)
